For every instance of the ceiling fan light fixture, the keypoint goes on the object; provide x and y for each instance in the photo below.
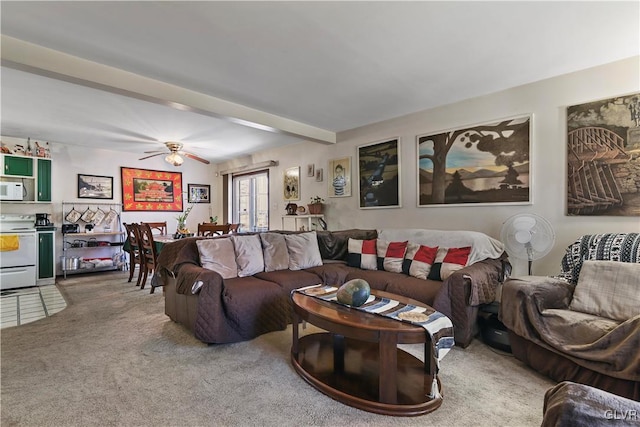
(174, 159)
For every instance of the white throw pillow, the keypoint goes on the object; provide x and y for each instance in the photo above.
(274, 249)
(248, 255)
(609, 289)
(303, 250)
(218, 255)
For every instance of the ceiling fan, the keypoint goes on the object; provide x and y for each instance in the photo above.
(174, 155)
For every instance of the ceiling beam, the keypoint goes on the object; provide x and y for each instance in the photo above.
(28, 57)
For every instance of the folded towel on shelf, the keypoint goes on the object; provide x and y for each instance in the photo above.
(9, 242)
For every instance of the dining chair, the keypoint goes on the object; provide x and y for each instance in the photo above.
(147, 253)
(133, 238)
(208, 229)
(159, 226)
(233, 228)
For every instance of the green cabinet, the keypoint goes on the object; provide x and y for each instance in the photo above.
(44, 180)
(46, 257)
(18, 166)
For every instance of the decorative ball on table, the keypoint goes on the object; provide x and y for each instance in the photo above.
(354, 292)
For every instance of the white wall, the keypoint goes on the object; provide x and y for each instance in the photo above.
(68, 161)
(547, 100)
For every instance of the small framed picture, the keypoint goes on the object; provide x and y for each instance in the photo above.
(339, 177)
(311, 170)
(319, 175)
(291, 184)
(199, 193)
(95, 187)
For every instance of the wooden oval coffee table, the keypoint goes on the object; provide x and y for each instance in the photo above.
(357, 360)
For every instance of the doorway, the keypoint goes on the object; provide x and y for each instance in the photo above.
(251, 201)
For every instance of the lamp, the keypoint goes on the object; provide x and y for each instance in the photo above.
(174, 159)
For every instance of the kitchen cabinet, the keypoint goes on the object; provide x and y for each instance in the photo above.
(93, 250)
(44, 180)
(34, 173)
(18, 165)
(46, 258)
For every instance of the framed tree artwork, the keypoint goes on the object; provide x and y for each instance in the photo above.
(603, 169)
(379, 174)
(291, 184)
(339, 177)
(476, 165)
(151, 190)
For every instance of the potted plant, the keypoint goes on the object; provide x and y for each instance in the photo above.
(316, 206)
(182, 222)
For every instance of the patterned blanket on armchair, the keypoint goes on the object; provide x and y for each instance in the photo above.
(624, 247)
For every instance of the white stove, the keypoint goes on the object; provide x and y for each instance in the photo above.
(19, 251)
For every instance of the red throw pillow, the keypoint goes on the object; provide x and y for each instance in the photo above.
(362, 254)
(418, 260)
(449, 260)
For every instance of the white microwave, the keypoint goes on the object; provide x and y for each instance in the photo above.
(11, 191)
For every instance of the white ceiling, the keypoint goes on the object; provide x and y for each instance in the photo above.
(305, 66)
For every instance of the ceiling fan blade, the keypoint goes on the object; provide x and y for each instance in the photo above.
(194, 157)
(155, 151)
(153, 155)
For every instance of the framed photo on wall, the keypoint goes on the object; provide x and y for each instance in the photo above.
(95, 187)
(198, 193)
(311, 170)
(339, 177)
(291, 184)
(476, 165)
(603, 174)
(319, 175)
(379, 174)
(151, 190)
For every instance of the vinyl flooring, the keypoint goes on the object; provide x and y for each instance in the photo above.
(20, 306)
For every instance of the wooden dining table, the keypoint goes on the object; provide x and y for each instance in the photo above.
(159, 241)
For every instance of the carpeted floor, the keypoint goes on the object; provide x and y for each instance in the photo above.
(113, 358)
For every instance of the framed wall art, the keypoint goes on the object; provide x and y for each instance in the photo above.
(95, 187)
(319, 175)
(291, 183)
(603, 176)
(311, 170)
(379, 174)
(339, 177)
(476, 165)
(150, 190)
(198, 193)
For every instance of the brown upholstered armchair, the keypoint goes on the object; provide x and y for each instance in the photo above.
(583, 325)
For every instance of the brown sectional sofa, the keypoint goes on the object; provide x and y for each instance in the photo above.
(241, 308)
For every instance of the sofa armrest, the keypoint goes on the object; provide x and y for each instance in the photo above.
(539, 293)
(190, 274)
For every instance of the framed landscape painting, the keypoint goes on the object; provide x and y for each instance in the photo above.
(339, 177)
(476, 165)
(150, 190)
(379, 174)
(95, 187)
(603, 168)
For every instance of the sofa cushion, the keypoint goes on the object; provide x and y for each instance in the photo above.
(274, 250)
(303, 250)
(377, 279)
(362, 254)
(331, 273)
(422, 290)
(249, 258)
(418, 260)
(390, 255)
(608, 288)
(333, 244)
(218, 255)
(447, 261)
(289, 280)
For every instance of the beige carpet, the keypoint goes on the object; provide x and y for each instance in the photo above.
(113, 358)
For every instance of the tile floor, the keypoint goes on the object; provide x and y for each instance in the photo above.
(20, 306)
